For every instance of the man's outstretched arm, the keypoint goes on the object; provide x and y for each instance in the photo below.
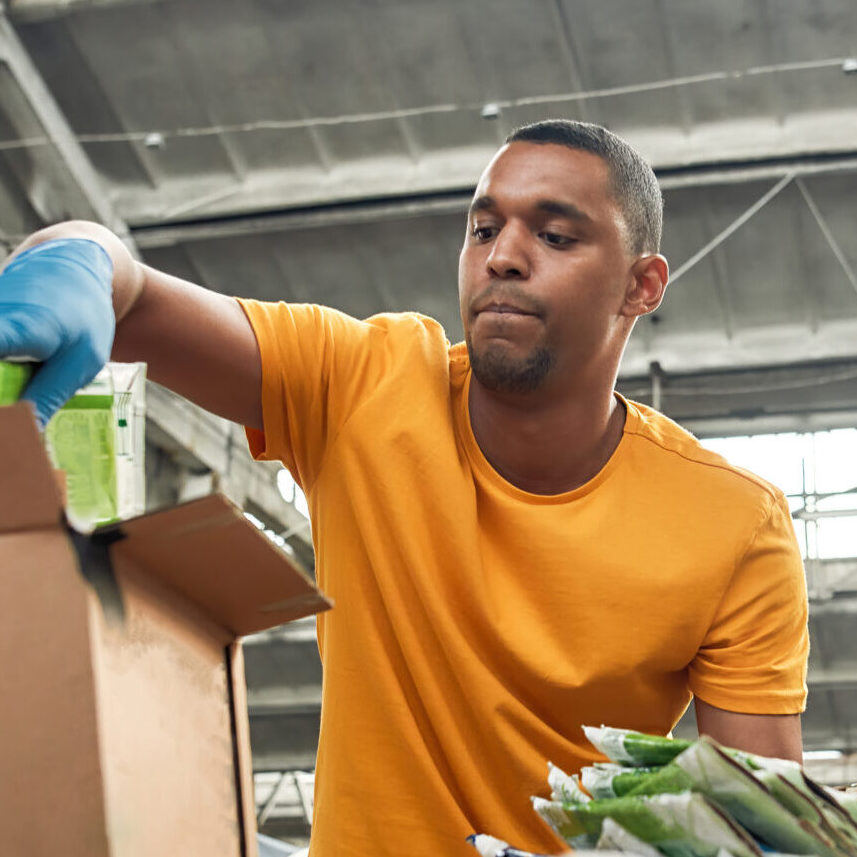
(777, 735)
(55, 294)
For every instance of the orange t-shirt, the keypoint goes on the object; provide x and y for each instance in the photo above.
(478, 626)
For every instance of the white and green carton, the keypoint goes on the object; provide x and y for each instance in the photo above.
(98, 439)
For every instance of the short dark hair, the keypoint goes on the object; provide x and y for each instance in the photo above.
(632, 180)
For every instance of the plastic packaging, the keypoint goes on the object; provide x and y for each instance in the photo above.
(691, 799)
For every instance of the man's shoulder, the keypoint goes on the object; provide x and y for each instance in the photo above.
(408, 321)
(408, 330)
(411, 338)
(321, 314)
(676, 447)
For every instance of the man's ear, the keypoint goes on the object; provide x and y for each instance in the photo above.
(650, 276)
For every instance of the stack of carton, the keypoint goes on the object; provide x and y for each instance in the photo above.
(123, 723)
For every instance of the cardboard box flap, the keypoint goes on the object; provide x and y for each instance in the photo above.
(30, 497)
(209, 552)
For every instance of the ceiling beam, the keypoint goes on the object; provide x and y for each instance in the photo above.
(840, 605)
(40, 10)
(728, 152)
(282, 759)
(298, 631)
(63, 183)
(834, 678)
(285, 700)
(197, 436)
(809, 396)
(316, 217)
(455, 201)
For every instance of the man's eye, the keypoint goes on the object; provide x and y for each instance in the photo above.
(556, 240)
(483, 233)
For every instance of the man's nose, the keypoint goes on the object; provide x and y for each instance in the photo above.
(508, 258)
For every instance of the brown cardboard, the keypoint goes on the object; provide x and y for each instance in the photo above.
(123, 722)
(37, 505)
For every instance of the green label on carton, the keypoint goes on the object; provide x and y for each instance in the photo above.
(13, 379)
(81, 440)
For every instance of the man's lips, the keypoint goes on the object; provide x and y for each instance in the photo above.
(502, 308)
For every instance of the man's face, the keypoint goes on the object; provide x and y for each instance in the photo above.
(544, 269)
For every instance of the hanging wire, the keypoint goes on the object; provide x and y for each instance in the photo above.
(428, 110)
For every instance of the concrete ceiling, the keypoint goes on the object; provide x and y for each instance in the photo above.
(326, 152)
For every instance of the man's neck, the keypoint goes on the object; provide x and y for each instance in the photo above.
(546, 445)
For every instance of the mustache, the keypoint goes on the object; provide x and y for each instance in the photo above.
(509, 293)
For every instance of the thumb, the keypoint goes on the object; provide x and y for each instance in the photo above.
(56, 381)
(28, 332)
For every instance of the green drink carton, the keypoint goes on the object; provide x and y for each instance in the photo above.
(97, 439)
(14, 376)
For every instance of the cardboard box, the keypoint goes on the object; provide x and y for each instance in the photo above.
(123, 721)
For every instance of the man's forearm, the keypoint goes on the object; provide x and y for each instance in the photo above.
(776, 735)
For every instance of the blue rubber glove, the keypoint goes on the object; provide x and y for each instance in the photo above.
(56, 307)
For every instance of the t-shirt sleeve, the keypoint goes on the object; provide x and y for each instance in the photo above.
(753, 659)
(315, 363)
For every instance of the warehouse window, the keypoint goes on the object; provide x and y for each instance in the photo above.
(818, 473)
(290, 491)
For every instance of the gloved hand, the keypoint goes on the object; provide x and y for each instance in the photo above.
(56, 307)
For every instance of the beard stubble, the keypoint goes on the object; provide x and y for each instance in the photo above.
(496, 370)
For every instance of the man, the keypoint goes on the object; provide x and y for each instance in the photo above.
(514, 549)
